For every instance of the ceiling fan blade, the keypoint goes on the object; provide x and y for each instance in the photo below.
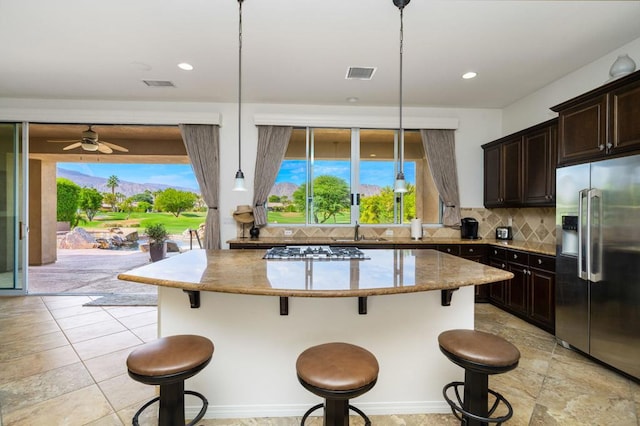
(72, 146)
(67, 141)
(104, 148)
(114, 146)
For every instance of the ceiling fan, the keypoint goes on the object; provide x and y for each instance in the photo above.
(90, 142)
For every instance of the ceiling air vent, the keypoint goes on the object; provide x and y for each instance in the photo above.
(158, 83)
(360, 73)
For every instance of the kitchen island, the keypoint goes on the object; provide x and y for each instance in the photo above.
(252, 373)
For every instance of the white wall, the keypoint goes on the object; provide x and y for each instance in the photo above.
(475, 127)
(534, 109)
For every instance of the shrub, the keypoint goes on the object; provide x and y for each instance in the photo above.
(68, 194)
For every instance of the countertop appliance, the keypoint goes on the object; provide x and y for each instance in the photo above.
(598, 260)
(314, 252)
(469, 228)
(504, 233)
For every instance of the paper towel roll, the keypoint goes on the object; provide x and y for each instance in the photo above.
(416, 229)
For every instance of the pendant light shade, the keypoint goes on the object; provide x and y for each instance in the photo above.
(400, 184)
(239, 179)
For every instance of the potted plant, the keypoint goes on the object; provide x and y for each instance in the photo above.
(157, 241)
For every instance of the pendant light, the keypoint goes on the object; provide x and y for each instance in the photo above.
(400, 184)
(239, 179)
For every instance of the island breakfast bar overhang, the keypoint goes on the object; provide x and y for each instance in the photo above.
(252, 373)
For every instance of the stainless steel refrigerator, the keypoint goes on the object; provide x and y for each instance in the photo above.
(598, 260)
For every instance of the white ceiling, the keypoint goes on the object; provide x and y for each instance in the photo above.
(299, 51)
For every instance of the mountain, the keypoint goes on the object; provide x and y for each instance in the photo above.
(124, 187)
(288, 188)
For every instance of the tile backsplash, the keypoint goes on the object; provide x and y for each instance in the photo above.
(535, 225)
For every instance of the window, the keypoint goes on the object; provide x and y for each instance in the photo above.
(334, 176)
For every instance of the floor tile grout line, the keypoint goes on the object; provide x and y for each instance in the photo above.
(84, 365)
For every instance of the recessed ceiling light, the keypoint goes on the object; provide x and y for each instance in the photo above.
(469, 75)
(185, 66)
(352, 99)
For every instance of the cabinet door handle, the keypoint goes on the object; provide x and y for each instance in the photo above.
(503, 265)
(470, 250)
(515, 256)
(601, 147)
(448, 250)
(539, 261)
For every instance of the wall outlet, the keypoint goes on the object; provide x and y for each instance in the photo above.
(389, 232)
(288, 232)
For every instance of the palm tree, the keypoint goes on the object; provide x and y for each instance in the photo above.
(113, 182)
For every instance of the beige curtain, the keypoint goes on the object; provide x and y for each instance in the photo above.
(272, 145)
(439, 146)
(202, 142)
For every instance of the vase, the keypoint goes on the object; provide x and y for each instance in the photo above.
(157, 251)
(622, 66)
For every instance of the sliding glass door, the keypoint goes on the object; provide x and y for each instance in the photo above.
(13, 226)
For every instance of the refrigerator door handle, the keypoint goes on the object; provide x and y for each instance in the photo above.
(595, 235)
(583, 249)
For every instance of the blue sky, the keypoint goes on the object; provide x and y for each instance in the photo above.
(371, 172)
(379, 173)
(167, 174)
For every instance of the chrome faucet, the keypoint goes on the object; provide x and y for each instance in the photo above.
(356, 236)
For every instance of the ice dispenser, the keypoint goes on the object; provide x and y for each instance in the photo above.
(570, 235)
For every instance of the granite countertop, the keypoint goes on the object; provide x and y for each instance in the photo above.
(540, 248)
(383, 272)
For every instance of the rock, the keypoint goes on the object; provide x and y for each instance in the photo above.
(117, 241)
(172, 247)
(132, 236)
(103, 244)
(78, 238)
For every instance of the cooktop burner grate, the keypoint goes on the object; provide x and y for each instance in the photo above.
(314, 252)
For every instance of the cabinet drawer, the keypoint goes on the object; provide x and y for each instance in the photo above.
(547, 263)
(518, 257)
(450, 248)
(497, 253)
(473, 250)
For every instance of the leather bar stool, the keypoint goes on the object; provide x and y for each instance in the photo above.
(168, 362)
(480, 354)
(337, 372)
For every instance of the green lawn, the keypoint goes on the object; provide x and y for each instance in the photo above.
(297, 217)
(174, 225)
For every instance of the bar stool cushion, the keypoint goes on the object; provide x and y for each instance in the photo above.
(337, 367)
(168, 359)
(479, 351)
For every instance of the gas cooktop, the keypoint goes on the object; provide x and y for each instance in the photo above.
(314, 252)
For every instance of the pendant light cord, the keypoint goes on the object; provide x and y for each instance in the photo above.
(240, 85)
(401, 129)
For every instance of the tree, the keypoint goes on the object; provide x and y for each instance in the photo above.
(90, 201)
(145, 196)
(110, 199)
(126, 206)
(175, 201)
(379, 208)
(67, 205)
(112, 182)
(330, 197)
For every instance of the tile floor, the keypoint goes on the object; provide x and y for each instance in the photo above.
(64, 364)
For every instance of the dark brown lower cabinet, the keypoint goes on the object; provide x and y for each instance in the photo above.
(530, 294)
(476, 253)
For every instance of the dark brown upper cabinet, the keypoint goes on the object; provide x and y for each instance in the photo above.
(604, 122)
(539, 172)
(519, 169)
